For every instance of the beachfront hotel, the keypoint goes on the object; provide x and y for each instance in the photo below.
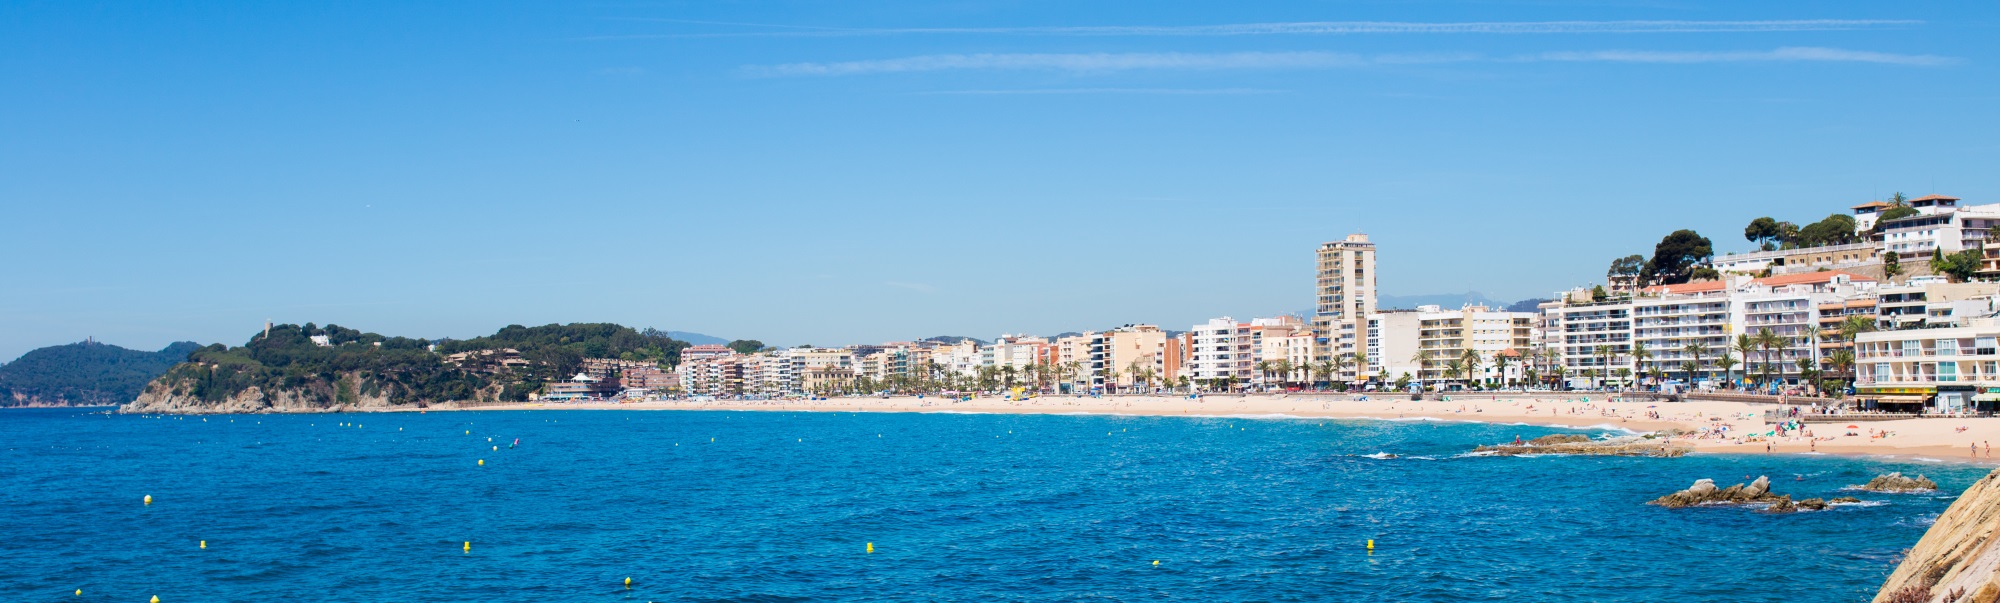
(1346, 288)
(1947, 370)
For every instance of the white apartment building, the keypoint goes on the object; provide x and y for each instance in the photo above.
(1668, 319)
(1587, 326)
(1017, 351)
(1947, 228)
(1925, 301)
(1678, 324)
(1945, 370)
(1222, 350)
(1346, 289)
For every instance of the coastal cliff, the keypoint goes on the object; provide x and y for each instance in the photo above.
(177, 396)
(1957, 559)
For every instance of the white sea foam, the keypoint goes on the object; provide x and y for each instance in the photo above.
(1865, 503)
(1379, 456)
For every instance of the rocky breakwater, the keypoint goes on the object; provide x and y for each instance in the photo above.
(1644, 445)
(1704, 492)
(1957, 560)
(1896, 483)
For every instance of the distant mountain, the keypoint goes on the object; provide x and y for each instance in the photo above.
(1447, 300)
(1527, 305)
(85, 374)
(697, 338)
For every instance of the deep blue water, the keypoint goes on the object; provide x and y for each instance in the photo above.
(959, 508)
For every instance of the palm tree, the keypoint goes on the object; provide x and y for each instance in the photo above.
(1421, 358)
(1360, 363)
(1453, 368)
(1263, 368)
(1319, 371)
(1470, 358)
(1284, 368)
(1500, 364)
(1337, 365)
(1854, 326)
(1559, 372)
(1746, 345)
(1622, 373)
(1689, 366)
(1727, 362)
(1694, 349)
(1843, 363)
(1136, 370)
(1769, 341)
(1812, 332)
(1603, 353)
(1640, 354)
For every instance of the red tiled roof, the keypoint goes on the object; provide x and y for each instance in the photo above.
(1696, 287)
(1935, 198)
(1809, 278)
(1875, 204)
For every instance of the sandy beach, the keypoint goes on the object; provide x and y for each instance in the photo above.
(1941, 439)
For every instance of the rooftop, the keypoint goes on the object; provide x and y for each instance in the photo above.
(1811, 278)
(1934, 198)
(1873, 205)
(1685, 288)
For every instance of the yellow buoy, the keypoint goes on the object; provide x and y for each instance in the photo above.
(468, 546)
(149, 499)
(156, 599)
(871, 547)
(1156, 563)
(1371, 544)
(204, 544)
(482, 462)
(496, 448)
(79, 592)
(628, 582)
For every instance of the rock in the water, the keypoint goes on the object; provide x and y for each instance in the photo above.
(1704, 492)
(1758, 488)
(1581, 444)
(1895, 482)
(1844, 500)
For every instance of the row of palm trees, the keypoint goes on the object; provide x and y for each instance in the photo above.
(1764, 342)
(1050, 376)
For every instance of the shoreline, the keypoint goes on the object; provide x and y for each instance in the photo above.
(1929, 439)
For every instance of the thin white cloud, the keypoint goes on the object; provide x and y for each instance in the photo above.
(1780, 55)
(1310, 28)
(1084, 62)
(1159, 91)
(1239, 61)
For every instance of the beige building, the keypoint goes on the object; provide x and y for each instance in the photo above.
(1444, 336)
(1346, 288)
(1128, 356)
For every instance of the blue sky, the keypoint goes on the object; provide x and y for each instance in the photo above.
(836, 172)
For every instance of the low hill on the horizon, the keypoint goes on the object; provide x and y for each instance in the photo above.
(307, 368)
(85, 374)
(697, 338)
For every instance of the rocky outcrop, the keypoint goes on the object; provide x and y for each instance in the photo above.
(1704, 492)
(1957, 559)
(163, 396)
(1581, 444)
(1895, 482)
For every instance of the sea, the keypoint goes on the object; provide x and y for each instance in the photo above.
(727, 506)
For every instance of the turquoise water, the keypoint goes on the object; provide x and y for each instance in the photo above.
(782, 507)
